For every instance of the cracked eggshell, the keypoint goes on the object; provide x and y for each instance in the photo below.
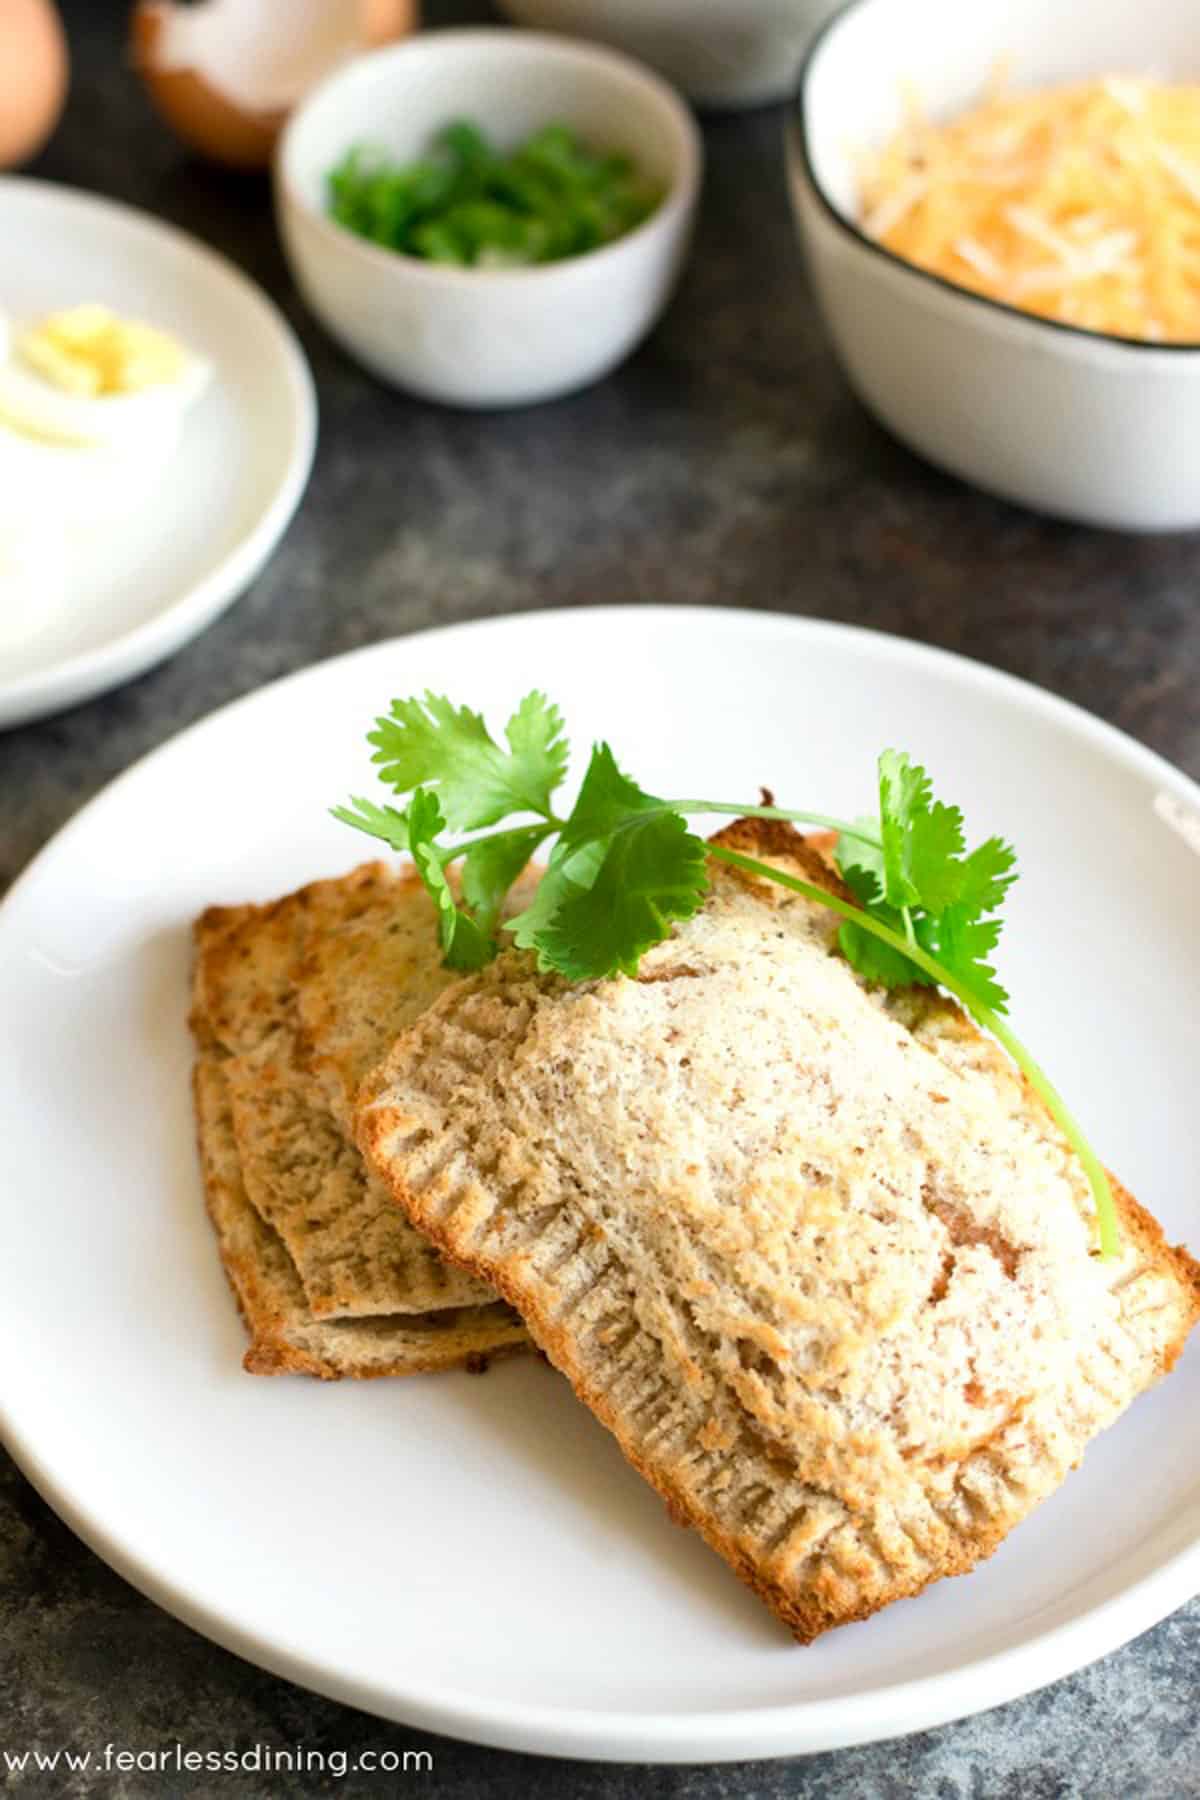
(226, 73)
(33, 77)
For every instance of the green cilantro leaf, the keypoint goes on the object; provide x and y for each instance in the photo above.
(568, 873)
(876, 961)
(652, 873)
(922, 839)
(921, 886)
(862, 861)
(448, 750)
(922, 863)
(539, 749)
(935, 844)
(491, 866)
(464, 944)
(625, 866)
(962, 943)
(866, 884)
(377, 821)
(606, 800)
(988, 873)
(904, 791)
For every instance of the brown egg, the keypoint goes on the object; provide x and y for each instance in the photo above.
(33, 77)
(226, 73)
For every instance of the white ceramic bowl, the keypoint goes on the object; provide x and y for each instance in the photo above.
(721, 52)
(1089, 427)
(487, 337)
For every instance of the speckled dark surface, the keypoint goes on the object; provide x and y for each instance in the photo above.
(726, 463)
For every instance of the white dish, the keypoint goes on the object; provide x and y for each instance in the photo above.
(1070, 422)
(193, 534)
(487, 337)
(473, 1556)
(729, 53)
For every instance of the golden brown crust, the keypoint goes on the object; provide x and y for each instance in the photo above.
(811, 855)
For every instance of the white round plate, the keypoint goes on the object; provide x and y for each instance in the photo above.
(473, 1556)
(150, 579)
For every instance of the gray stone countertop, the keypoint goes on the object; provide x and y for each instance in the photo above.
(727, 462)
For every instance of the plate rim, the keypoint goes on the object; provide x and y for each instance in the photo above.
(84, 674)
(740, 1734)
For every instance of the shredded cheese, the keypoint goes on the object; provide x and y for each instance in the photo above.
(1080, 203)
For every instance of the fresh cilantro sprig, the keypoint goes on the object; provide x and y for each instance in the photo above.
(918, 880)
(625, 867)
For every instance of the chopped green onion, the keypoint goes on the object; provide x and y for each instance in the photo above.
(467, 203)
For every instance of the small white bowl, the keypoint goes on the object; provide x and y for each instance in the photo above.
(720, 52)
(1089, 427)
(487, 337)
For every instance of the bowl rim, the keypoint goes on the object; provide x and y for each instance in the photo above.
(678, 199)
(798, 131)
